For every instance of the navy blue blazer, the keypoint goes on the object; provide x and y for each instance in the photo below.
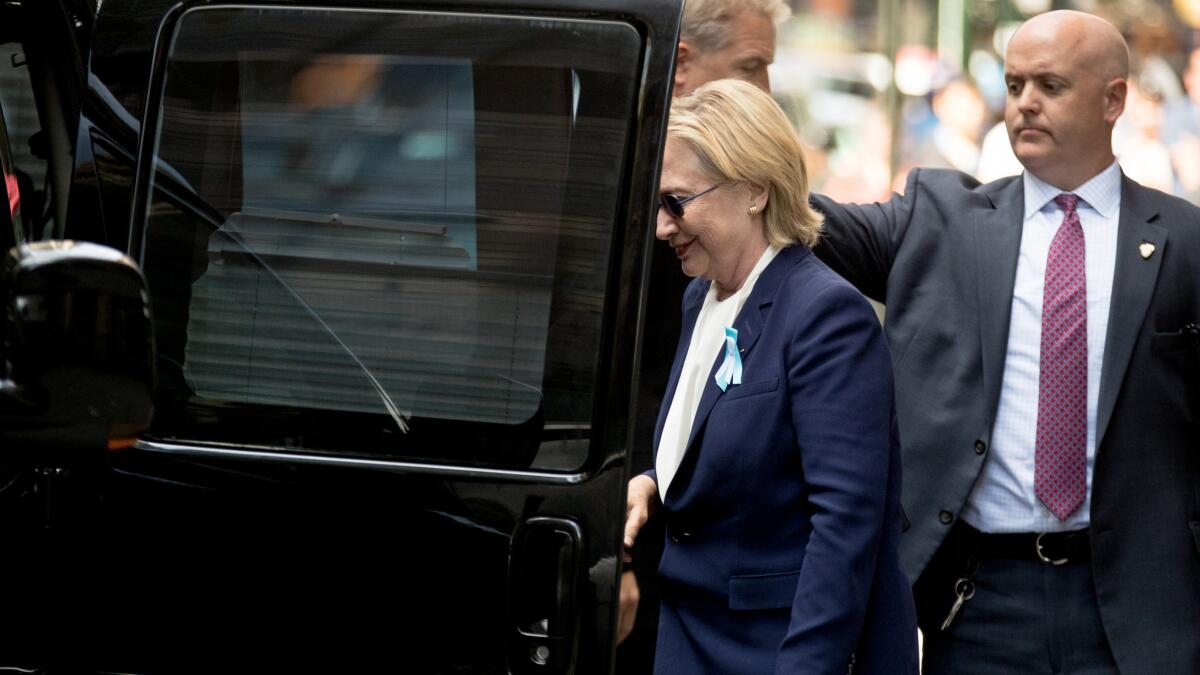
(783, 519)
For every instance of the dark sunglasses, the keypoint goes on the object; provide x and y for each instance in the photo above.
(674, 203)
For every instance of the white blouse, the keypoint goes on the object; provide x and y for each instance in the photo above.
(708, 341)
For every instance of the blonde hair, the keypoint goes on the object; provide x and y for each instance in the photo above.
(706, 22)
(739, 133)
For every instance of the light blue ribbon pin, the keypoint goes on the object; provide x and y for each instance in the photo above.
(731, 368)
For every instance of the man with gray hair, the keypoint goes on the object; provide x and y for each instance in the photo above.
(723, 39)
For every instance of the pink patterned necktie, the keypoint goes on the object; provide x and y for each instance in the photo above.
(1060, 463)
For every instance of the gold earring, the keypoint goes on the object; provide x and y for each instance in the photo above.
(753, 209)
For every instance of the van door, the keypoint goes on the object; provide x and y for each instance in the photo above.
(396, 255)
(11, 229)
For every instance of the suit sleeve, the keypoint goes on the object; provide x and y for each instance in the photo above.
(839, 375)
(860, 240)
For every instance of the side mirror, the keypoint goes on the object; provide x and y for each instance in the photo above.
(76, 351)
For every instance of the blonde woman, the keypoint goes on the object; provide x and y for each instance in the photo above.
(777, 466)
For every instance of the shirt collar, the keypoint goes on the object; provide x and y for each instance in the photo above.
(763, 260)
(748, 285)
(1102, 192)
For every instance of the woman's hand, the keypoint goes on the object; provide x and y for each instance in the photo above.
(640, 500)
(629, 598)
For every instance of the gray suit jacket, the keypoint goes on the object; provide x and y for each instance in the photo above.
(943, 259)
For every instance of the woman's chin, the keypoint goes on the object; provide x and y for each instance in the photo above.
(691, 269)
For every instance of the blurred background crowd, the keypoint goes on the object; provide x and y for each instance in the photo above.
(854, 75)
(879, 87)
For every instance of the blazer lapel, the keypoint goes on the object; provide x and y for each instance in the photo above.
(997, 246)
(1133, 287)
(749, 324)
(691, 311)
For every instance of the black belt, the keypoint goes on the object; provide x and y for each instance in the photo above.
(1051, 548)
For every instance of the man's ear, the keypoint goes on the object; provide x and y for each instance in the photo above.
(683, 68)
(1114, 99)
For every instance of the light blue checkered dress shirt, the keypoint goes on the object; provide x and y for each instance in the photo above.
(1003, 498)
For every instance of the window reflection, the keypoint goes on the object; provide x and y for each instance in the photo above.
(403, 239)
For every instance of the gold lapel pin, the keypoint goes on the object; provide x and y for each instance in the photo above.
(1146, 249)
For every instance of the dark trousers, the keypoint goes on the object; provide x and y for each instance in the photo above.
(1025, 618)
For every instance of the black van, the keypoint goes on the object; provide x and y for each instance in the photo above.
(396, 255)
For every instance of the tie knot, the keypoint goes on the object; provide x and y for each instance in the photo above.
(1067, 202)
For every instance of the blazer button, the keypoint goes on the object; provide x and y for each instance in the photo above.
(980, 447)
(946, 517)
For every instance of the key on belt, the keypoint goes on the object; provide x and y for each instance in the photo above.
(964, 589)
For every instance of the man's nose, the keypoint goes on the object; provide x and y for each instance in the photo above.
(1027, 100)
(762, 80)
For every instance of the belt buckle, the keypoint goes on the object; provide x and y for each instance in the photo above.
(1037, 545)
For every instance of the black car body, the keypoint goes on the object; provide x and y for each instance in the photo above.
(397, 254)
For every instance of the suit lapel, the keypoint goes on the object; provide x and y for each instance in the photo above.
(997, 246)
(749, 324)
(1133, 287)
(694, 293)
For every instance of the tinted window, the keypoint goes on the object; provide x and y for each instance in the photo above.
(25, 173)
(387, 233)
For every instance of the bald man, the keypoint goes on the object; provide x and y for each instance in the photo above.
(1044, 338)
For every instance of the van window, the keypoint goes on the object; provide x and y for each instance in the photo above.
(387, 234)
(22, 173)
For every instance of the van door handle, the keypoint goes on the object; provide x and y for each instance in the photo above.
(545, 573)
